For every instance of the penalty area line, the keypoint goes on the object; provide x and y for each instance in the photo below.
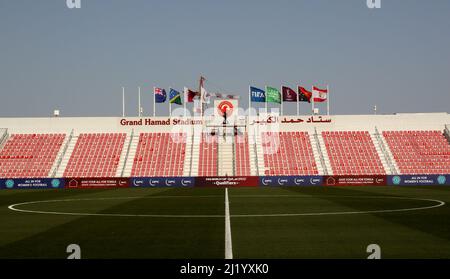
(228, 243)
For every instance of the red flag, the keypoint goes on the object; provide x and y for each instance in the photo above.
(289, 95)
(319, 95)
(304, 95)
(190, 94)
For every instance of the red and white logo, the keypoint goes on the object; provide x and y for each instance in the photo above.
(225, 106)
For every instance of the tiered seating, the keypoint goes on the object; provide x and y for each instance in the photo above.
(352, 153)
(29, 155)
(419, 152)
(208, 155)
(95, 155)
(288, 153)
(242, 162)
(160, 154)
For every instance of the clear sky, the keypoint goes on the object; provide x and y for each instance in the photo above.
(77, 60)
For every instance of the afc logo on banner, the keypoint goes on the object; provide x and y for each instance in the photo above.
(71, 4)
(374, 4)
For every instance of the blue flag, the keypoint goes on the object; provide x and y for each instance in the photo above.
(257, 95)
(160, 95)
(174, 97)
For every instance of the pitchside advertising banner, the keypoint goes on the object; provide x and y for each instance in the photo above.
(230, 181)
(355, 180)
(290, 181)
(227, 181)
(162, 182)
(110, 182)
(32, 183)
(415, 180)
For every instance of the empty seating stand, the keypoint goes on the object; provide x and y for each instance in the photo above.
(160, 154)
(352, 153)
(242, 162)
(288, 153)
(208, 155)
(29, 155)
(419, 152)
(96, 155)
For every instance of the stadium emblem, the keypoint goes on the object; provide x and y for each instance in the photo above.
(441, 179)
(299, 181)
(186, 182)
(282, 181)
(225, 106)
(314, 181)
(138, 182)
(396, 180)
(331, 181)
(169, 182)
(266, 180)
(55, 183)
(9, 183)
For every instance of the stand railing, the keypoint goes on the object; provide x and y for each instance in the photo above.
(128, 152)
(386, 154)
(3, 136)
(66, 146)
(319, 150)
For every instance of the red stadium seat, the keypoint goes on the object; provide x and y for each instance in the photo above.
(160, 154)
(352, 153)
(95, 155)
(29, 155)
(208, 159)
(288, 153)
(419, 152)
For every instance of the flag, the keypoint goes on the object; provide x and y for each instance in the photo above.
(189, 95)
(206, 97)
(289, 95)
(304, 95)
(174, 97)
(273, 95)
(319, 95)
(257, 95)
(197, 106)
(160, 95)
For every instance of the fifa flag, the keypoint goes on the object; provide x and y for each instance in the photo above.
(160, 95)
(273, 95)
(174, 97)
(189, 95)
(319, 95)
(257, 95)
(289, 95)
(304, 95)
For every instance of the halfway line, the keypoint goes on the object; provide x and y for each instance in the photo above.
(228, 244)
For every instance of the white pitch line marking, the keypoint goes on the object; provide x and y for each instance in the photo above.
(228, 243)
(13, 207)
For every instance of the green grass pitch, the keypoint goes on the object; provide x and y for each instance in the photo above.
(280, 223)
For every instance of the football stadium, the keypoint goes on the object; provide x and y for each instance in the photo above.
(264, 170)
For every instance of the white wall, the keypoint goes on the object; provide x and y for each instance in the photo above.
(417, 121)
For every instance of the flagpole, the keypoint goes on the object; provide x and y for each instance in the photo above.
(154, 102)
(298, 97)
(249, 99)
(266, 98)
(170, 104)
(123, 101)
(139, 101)
(184, 99)
(281, 100)
(328, 100)
(312, 97)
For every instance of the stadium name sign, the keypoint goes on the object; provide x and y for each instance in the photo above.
(159, 122)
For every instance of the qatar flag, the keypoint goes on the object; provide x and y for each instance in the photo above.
(319, 95)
